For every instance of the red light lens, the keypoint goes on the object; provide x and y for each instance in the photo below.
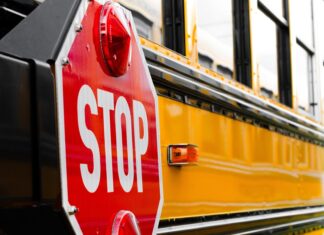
(115, 38)
(125, 223)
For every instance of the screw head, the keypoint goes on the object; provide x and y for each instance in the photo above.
(65, 61)
(78, 27)
(73, 210)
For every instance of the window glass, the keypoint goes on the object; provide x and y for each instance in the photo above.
(304, 21)
(276, 6)
(147, 15)
(205, 61)
(267, 56)
(304, 72)
(303, 81)
(215, 35)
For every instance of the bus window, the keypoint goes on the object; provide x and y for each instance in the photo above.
(304, 50)
(272, 50)
(215, 35)
(304, 22)
(147, 16)
(304, 71)
(267, 56)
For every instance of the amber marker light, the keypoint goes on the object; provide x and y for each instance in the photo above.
(182, 154)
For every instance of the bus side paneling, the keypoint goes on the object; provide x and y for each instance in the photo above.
(241, 167)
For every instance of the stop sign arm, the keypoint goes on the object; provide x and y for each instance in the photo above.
(24, 40)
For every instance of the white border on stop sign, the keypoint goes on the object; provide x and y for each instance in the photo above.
(60, 110)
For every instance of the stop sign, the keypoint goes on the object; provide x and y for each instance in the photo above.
(108, 126)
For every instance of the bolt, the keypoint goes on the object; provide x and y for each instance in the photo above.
(78, 28)
(65, 61)
(73, 210)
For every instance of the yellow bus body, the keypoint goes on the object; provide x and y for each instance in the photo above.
(316, 232)
(241, 167)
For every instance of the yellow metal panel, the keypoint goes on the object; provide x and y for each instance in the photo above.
(316, 232)
(241, 167)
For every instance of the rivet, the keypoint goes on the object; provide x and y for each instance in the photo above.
(73, 210)
(65, 61)
(78, 27)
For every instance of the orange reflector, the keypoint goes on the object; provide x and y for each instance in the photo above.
(182, 154)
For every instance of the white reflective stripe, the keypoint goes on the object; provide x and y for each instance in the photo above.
(90, 180)
(122, 108)
(106, 102)
(66, 45)
(140, 143)
(243, 219)
(281, 226)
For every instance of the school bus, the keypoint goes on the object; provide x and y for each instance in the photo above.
(240, 87)
(241, 80)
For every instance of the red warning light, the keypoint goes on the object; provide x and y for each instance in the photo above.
(125, 223)
(115, 38)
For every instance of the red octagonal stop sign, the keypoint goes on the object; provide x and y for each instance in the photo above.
(108, 126)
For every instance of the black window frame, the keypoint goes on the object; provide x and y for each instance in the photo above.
(242, 42)
(283, 50)
(310, 50)
(173, 14)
